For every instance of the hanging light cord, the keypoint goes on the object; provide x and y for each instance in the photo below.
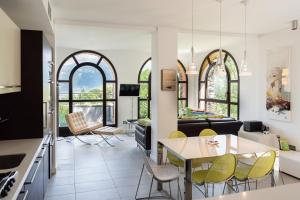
(220, 26)
(192, 32)
(220, 59)
(245, 29)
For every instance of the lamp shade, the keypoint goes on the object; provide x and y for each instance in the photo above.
(192, 69)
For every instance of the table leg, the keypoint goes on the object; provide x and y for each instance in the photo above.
(160, 147)
(188, 180)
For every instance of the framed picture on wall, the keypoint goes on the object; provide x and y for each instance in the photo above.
(278, 94)
(168, 79)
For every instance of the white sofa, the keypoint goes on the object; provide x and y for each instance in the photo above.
(267, 139)
(289, 161)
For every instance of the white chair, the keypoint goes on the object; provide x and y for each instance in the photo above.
(107, 133)
(162, 174)
(79, 126)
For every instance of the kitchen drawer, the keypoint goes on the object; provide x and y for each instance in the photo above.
(34, 181)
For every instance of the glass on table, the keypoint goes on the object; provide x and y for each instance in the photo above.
(212, 141)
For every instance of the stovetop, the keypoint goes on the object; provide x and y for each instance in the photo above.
(6, 182)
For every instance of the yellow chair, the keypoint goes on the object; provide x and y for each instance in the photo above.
(208, 132)
(205, 132)
(172, 158)
(222, 170)
(262, 167)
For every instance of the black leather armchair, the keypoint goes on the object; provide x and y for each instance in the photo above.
(143, 137)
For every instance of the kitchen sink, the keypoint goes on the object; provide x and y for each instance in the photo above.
(10, 161)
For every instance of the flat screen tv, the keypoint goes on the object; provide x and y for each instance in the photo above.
(129, 90)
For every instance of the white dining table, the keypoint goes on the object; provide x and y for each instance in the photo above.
(190, 148)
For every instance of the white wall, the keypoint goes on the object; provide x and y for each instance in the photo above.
(248, 90)
(288, 130)
(127, 64)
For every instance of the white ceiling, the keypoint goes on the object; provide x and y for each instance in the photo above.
(264, 15)
(128, 23)
(105, 38)
(101, 38)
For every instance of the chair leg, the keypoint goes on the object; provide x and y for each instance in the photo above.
(150, 189)
(249, 185)
(213, 190)
(118, 138)
(82, 140)
(224, 188)
(170, 190)
(106, 140)
(137, 189)
(179, 191)
(206, 190)
(272, 179)
(245, 188)
(70, 140)
(148, 152)
(256, 184)
(237, 186)
(166, 160)
(280, 174)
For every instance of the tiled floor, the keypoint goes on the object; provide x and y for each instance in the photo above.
(100, 172)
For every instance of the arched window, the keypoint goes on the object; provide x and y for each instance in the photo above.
(219, 87)
(87, 81)
(144, 79)
(182, 86)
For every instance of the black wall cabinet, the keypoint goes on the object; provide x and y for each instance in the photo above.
(25, 110)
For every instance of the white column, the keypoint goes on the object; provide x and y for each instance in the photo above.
(163, 103)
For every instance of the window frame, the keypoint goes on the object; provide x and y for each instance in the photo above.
(148, 82)
(148, 99)
(186, 82)
(206, 66)
(97, 66)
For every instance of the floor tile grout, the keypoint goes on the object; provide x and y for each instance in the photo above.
(120, 166)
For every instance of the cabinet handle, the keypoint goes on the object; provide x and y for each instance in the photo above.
(34, 174)
(43, 153)
(25, 194)
(9, 86)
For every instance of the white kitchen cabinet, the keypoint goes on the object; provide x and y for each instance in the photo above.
(10, 55)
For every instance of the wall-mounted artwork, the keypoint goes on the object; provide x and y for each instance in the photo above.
(278, 102)
(168, 79)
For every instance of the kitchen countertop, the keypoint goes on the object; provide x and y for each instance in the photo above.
(289, 191)
(31, 148)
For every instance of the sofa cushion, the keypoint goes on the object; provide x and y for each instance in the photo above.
(227, 127)
(144, 122)
(192, 129)
(186, 121)
(290, 162)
